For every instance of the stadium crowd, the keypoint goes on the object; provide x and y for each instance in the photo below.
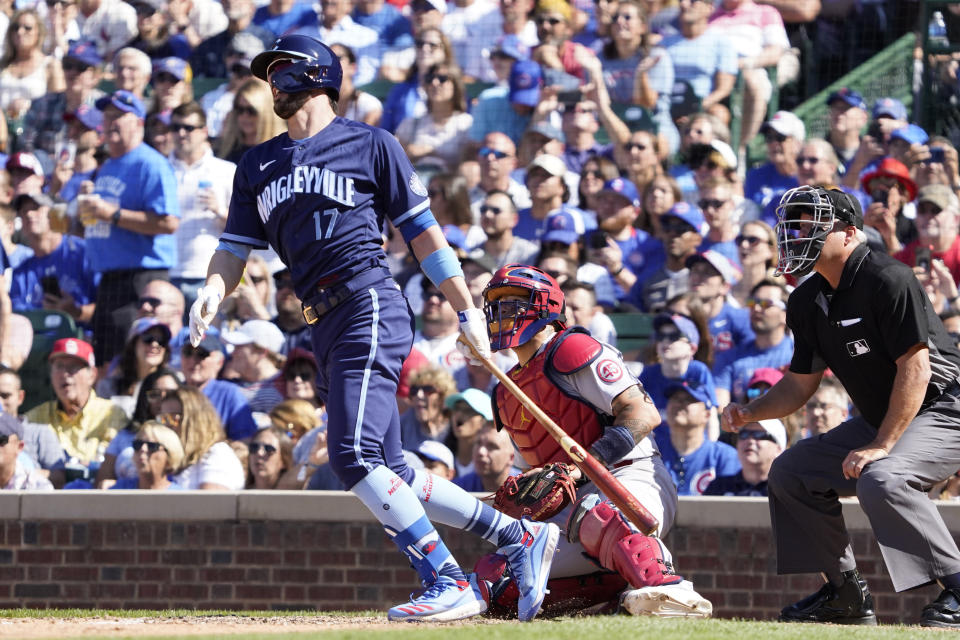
(521, 117)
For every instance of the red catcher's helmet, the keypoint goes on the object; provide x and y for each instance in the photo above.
(513, 322)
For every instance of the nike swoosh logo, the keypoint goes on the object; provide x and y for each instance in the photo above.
(264, 165)
(850, 322)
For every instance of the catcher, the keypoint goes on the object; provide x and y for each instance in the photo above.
(584, 386)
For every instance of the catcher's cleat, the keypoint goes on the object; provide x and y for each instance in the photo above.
(443, 601)
(530, 561)
(850, 603)
(678, 600)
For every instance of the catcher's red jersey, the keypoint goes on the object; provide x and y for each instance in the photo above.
(578, 419)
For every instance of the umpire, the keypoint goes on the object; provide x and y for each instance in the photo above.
(865, 316)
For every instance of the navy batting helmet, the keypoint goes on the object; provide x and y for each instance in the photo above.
(299, 63)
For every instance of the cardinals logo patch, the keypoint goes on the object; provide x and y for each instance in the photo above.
(609, 371)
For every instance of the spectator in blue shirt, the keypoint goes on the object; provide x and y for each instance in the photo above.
(509, 109)
(677, 342)
(283, 16)
(784, 134)
(692, 460)
(201, 365)
(758, 445)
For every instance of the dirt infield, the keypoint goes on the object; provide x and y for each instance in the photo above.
(115, 627)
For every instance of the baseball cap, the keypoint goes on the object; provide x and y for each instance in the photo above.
(689, 214)
(85, 52)
(938, 194)
(436, 451)
(775, 428)
(525, 77)
(549, 163)
(765, 375)
(511, 45)
(429, 5)
(546, 129)
(25, 160)
(211, 340)
(245, 45)
(88, 116)
(39, 197)
(555, 6)
(697, 390)
(411, 364)
(124, 101)
(727, 270)
(175, 66)
(10, 426)
(73, 348)
(786, 124)
(477, 399)
(454, 236)
(141, 325)
(851, 97)
(156, 5)
(261, 333)
(889, 108)
(686, 326)
(482, 260)
(623, 188)
(561, 227)
(911, 134)
(891, 168)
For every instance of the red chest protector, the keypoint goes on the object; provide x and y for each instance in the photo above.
(569, 351)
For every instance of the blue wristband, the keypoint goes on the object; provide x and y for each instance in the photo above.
(617, 441)
(441, 265)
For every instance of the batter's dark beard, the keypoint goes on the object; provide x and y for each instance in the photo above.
(287, 104)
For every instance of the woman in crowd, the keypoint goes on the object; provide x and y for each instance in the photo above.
(757, 246)
(407, 99)
(299, 377)
(251, 121)
(426, 420)
(209, 463)
(118, 459)
(25, 72)
(469, 412)
(437, 137)
(132, 69)
(296, 417)
(659, 197)
(355, 104)
(596, 171)
(270, 461)
(147, 349)
(637, 73)
(172, 83)
(157, 133)
(639, 159)
(450, 203)
(308, 431)
(157, 453)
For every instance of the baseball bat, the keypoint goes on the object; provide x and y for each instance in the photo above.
(593, 468)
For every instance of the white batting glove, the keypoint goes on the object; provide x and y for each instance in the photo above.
(202, 313)
(473, 326)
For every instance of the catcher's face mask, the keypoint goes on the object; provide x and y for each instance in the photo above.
(535, 301)
(805, 216)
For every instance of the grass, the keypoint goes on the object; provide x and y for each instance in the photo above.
(599, 628)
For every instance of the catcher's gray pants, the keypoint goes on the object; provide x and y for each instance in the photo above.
(806, 481)
(649, 481)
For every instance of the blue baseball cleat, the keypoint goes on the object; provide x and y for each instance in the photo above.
(530, 561)
(443, 601)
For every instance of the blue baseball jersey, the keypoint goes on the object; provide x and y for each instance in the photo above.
(747, 359)
(729, 329)
(655, 383)
(695, 472)
(320, 202)
(68, 263)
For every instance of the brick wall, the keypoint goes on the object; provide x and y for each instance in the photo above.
(323, 551)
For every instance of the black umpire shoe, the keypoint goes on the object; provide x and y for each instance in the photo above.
(944, 611)
(850, 603)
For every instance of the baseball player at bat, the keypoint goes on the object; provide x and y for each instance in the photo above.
(583, 386)
(319, 195)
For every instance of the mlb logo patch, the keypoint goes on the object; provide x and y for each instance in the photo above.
(858, 348)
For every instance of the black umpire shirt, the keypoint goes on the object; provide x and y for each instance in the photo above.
(876, 314)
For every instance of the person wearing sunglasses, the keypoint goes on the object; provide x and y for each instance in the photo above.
(757, 249)
(207, 58)
(204, 186)
(26, 73)
(681, 231)
(497, 157)
(217, 103)
(431, 46)
(426, 419)
(270, 461)
(438, 136)
(772, 345)
(784, 134)
(117, 462)
(147, 349)
(758, 445)
(498, 217)
(677, 343)
(14, 476)
(826, 409)
(250, 122)
(157, 454)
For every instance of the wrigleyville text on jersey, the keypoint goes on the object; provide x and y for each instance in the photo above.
(308, 180)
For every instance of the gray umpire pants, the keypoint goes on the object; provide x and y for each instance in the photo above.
(806, 482)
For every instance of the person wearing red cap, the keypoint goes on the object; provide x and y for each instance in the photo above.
(891, 187)
(84, 423)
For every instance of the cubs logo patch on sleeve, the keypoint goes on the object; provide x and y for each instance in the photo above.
(609, 370)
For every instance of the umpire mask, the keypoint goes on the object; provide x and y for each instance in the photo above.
(805, 216)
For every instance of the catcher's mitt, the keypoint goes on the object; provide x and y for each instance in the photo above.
(539, 496)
